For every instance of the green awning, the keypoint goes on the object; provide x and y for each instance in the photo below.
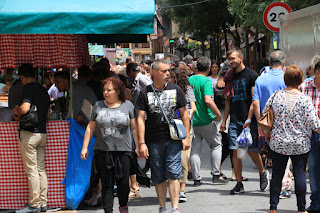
(76, 16)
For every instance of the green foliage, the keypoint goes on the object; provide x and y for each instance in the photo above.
(201, 19)
(210, 17)
(249, 13)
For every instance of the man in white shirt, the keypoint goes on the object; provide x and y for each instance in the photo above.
(139, 81)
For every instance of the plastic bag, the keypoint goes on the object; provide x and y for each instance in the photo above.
(77, 180)
(244, 139)
(242, 153)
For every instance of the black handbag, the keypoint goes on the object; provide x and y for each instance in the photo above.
(29, 120)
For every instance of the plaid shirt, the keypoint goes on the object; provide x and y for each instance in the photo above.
(310, 89)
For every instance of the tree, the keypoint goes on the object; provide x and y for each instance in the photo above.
(200, 19)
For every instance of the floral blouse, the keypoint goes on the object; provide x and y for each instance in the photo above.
(292, 130)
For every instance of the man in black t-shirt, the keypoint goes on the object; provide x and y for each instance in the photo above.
(32, 142)
(239, 106)
(165, 153)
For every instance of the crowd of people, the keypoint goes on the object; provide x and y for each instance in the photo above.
(127, 110)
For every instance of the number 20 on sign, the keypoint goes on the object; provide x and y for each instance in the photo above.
(273, 12)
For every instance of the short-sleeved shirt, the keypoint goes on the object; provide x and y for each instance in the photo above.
(311, 90)
(266, 85)
(240, 103)
(172, 99)
(15, 94)
(54, 92)
(189, 97)
(139, 82)
(113, 126)
(37, 95)
(201, 86)
(292, 130)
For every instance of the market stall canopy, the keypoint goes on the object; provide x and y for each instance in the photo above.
(44, 50)
(76, 16)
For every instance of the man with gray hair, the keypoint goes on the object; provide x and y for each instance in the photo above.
(188, 59)
(204, 124)
(154, 133)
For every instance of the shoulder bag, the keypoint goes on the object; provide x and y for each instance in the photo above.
(29, 120)
(176, 127)
(266, 120)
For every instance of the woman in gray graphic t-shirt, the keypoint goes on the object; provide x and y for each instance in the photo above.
(113, 118)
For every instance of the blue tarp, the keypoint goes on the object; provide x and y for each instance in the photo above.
(76, 16)
(77, 180)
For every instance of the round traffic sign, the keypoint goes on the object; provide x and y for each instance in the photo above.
(272, 13)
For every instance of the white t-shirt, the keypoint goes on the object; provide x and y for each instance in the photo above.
(214, 82)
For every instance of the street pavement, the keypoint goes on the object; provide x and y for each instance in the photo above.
(211, 197)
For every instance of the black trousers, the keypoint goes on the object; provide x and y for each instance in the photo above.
(108, 181)
(279, 163)
(225, 148)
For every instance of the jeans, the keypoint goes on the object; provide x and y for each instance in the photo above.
(279, 163)
(314, 171)
(165, 161)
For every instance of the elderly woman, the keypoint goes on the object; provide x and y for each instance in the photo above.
(294, 119)
(112, 118)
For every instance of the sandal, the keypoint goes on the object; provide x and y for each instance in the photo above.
(223, 176)
(269, 165)
(134, 193)
(243, 179)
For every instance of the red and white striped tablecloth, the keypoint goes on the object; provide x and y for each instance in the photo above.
(13, 181)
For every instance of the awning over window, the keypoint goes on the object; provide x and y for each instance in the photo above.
(76, 16)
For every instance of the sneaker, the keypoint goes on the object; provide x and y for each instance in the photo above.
(94, 200)
(28, 209)
(123, 209)
(182, 197)
(264, 180)
(197, 182)
(219, 179)
(175, 210)
(162, 209)
(47, 209)
(238, 189)
(285, 194)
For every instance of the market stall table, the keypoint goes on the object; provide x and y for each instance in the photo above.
(13, 180)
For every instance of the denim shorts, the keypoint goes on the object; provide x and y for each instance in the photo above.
(165, 160)
(235, 129)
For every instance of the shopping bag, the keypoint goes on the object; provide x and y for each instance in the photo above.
(77, 180)
(245, 138)
(242, 153)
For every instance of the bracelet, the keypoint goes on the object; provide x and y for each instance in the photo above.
(248, 121)
(141, 144)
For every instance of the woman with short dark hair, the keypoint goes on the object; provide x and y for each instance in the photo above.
(294, 119)
(112, 118)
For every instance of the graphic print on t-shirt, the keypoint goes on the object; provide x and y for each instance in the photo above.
(168, 100)
(239, 87)
(113, 123)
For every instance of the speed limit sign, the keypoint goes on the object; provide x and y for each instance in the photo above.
(272, 13)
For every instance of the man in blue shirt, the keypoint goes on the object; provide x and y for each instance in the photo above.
(268, 83)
